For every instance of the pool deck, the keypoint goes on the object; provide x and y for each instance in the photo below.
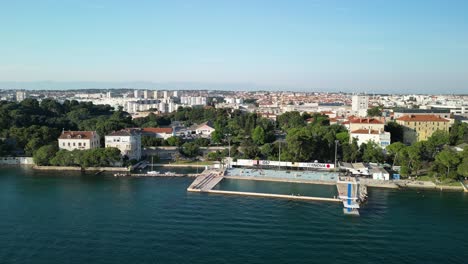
(270, 195)
(280, 180)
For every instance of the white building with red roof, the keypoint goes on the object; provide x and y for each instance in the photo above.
(128, 141)
(81, 140)
(365, 123)
(380, 137)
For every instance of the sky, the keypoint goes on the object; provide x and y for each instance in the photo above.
(308, 45)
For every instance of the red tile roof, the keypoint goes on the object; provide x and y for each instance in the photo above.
(422, 118)
(365, 131)
(77, 134)
(365, 121)
(158, 130)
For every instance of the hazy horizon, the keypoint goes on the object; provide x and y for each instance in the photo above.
(351, 46)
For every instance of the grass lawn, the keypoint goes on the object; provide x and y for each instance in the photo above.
(449, 182)
(425, 178)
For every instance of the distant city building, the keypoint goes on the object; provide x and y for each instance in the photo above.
(193, 100)
(175, 94)
(21, 95)
(380, 137)
(155, 94)
(165, 94)
(359, 105)
(137, 94)
(146, 94)
(81, 140)
(128, 141)
(421, 127)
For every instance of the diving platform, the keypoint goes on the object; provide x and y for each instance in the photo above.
(351, 194)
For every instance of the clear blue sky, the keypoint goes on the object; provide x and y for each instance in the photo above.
(374, 45)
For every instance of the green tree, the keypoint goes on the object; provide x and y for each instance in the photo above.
(217, 136)
(290, 120)
(258, 136)
(44, 154)
(175, 141)
(396, 131)
(458, 133)
(190, 149)
(393, 150)
(463, 166)
(371, 152)
(449, 159)
(374, 111)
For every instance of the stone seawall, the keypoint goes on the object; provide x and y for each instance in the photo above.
(16, 161)
(60, 168)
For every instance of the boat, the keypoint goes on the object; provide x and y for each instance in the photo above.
(152, 171)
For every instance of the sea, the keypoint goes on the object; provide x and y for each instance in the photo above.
(70, 217)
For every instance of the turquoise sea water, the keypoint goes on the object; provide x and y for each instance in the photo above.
(64, 217)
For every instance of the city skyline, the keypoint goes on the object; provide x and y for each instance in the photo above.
(365, 46)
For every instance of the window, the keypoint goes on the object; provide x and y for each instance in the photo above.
(63, 144)
(84, 144)
(79, 144)
(69, 144)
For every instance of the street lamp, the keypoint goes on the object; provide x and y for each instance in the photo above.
(279, 154)
(336, 150)
(229, 149)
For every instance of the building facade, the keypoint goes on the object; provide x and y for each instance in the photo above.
(421, 127)
(359, 105)
(380, 137)
(128, 141)
(365, 123)
(81, 140)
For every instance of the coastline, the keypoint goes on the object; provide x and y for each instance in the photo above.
(68, 168)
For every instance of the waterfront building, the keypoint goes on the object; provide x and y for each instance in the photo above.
(158, 132)
(81, 140)
(359, 105)
(380, 137)
(128, 141)
(421, 127)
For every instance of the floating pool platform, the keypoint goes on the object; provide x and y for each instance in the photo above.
(350, 192)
